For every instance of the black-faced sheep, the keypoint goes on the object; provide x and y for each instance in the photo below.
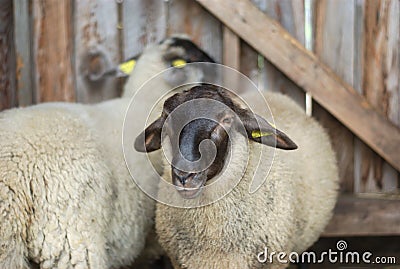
(287, 213)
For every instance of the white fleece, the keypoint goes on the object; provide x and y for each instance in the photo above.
(67, 199)
(287, 213)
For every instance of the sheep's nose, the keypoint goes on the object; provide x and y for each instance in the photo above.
(181, 175)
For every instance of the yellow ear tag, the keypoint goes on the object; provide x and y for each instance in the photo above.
(127, 67)
(258, 134)
(178, 63)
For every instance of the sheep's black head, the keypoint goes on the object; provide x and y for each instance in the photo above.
(182, 48)
(178, 51)
(198, 123)
(175, 51)
(172, 57)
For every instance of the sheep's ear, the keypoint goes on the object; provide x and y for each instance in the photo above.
(150, 139)
(259, 130)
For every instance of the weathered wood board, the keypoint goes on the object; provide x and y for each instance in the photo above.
(25, 87)
(290, 14)
(53, 51)
(358, 216)
(378, 80)
(188, 17)
(144, 22)
(334, 45)
(96, 39)
(231, 52)
(7, 58)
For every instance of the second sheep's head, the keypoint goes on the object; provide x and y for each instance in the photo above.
(198, 124)
(170, 55)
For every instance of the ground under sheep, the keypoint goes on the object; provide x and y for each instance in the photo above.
(66, 197)
(287, 213)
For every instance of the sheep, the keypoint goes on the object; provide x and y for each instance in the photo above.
(287, 213)
(67, 199)
(157, 58)
(52, 170)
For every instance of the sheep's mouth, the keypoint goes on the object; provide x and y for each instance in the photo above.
(192, 187)
(189, 193)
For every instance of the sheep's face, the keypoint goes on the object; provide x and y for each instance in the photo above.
(170, 55)
(198, 124)
(181, 47)
(176, 51)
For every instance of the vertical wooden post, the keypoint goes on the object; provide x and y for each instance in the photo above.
(231, 51)
(290, 14)
(97, 49)
(53, 44)
(23, 52)
(144, 22)
(231, 57)
(334, 44)
(7, 60)
(378, 81)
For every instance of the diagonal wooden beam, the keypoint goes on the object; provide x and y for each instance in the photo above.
(303, 67)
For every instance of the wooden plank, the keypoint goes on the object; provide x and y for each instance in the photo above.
(249, 62)
(144, 22)
(304, 68)
(7, 63)
(190, 18)
(53, 47)
(334, 30)
(290, 14)
(379, 83)
(231, 53)
(359, 146)
(252, 63)
(23, 41)
(97, 49)
(355, 216)
(334, 45)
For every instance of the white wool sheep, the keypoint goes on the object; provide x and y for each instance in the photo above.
(66, 197)
(287, 213)
(158, 57)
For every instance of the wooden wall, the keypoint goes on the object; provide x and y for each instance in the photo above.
(359, 39)
(56, 51)
(7, 57)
